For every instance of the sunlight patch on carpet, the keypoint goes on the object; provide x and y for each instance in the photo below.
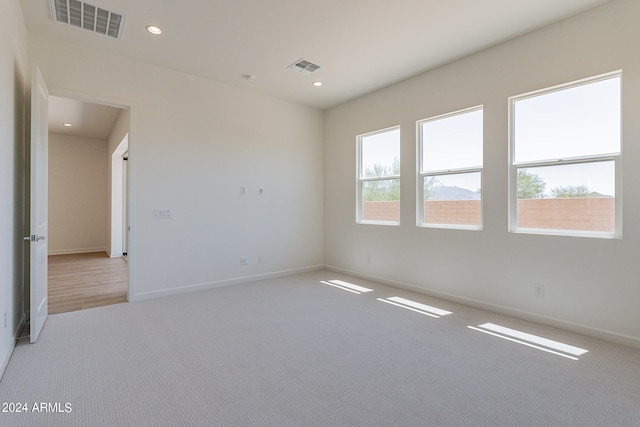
(533, 341)
(408, 304)
(346, 286)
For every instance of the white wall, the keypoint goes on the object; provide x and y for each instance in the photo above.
(193, 144)
(591, 285)
(78, 212)
(13, 74)
(119, 131)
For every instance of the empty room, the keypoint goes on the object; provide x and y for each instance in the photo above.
(345, 214)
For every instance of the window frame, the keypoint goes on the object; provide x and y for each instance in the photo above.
(361, 180)
(576, 160)
(421, 175)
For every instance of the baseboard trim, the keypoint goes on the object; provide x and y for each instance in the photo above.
(221, 283)
(6, 357)
(12, 345)
(500, 309)
(76, 251)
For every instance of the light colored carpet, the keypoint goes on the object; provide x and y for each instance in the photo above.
(296, 352)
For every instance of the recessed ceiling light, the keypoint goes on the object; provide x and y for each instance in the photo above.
(154, 30)
(67, 125)
(317, 84)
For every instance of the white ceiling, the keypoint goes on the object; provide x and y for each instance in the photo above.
(86, 119)
(360, 45)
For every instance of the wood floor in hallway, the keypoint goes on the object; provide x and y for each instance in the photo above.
(81, 281)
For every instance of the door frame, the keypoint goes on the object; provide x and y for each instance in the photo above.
(119, 215)
(131, 200)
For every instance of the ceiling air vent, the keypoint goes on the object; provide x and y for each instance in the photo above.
(87, 16)
(303, 66)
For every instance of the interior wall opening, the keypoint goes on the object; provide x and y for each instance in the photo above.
(87, 210)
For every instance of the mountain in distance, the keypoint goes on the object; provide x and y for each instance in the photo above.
(445, 192)
(596, 194)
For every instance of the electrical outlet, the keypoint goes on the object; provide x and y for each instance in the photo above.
(243, 190)
(538, 290)
(244, 260)
(368, 259)
(260, 259)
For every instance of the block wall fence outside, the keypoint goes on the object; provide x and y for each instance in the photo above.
(586, 214)
(381, 211)
(457, 212)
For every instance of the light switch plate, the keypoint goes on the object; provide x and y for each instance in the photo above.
(162, 214)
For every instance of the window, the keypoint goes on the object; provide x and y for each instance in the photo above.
(565, 159)
(379, 177)
(450, 170)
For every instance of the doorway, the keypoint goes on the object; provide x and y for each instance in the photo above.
(87, 267)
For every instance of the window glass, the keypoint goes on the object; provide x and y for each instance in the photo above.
(381, 154)
(452, 142)
(568, 197)
(566, 145)
(453, 199)
(450, 181)
(379, 177)
(579, 121)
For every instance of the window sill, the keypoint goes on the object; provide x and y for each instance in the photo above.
(452, 226)
(391, 223)
(567, 233)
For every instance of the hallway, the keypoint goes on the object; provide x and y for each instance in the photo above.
(81, 281)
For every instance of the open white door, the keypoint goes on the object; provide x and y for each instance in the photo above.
(39, 208)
